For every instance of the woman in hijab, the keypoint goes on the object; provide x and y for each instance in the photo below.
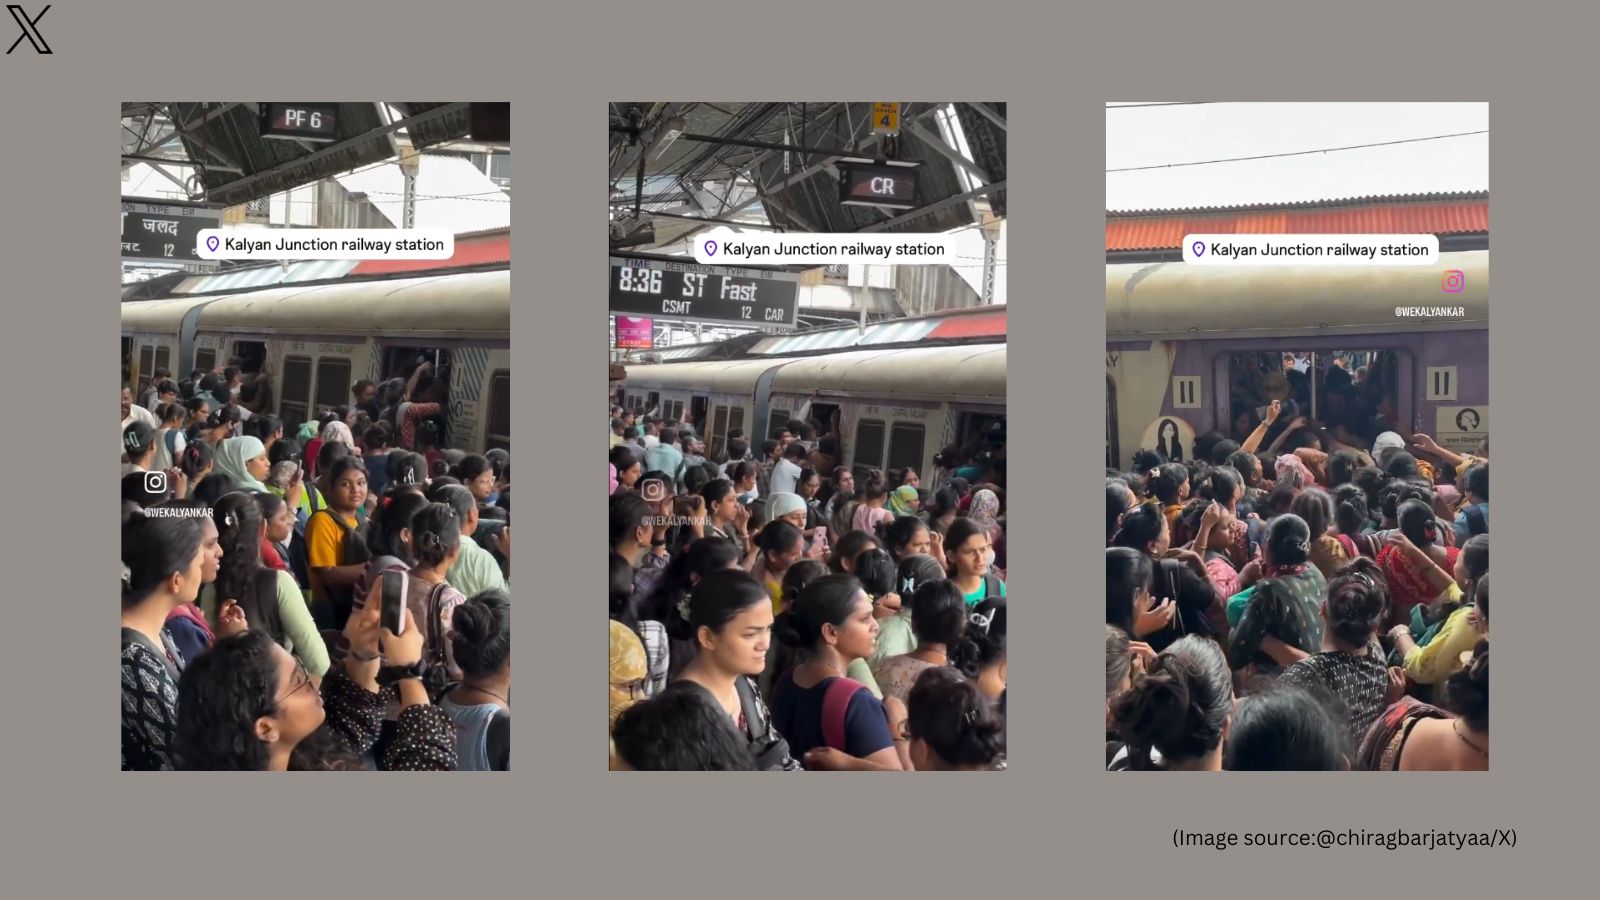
(1292, 470)
(337, 432)
(630, 670)
(903, 501)
(985, 509)
(244, 459)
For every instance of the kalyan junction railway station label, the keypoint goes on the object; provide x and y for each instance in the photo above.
(685, 290)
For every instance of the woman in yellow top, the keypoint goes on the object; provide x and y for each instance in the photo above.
(1442, 656)
(1169, 485)
(782, 545)
(333, 575)
(1315, 506)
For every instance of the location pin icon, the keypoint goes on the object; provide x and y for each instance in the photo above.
(1199, 248)
(711, 248)
(211, 243)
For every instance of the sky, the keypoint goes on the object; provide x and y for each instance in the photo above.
(1158, 135)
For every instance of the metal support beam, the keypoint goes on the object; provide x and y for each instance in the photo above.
(937, 145)
(331, 149)
(133, 157)
(935, 207)
(765, 145)
(984, 110)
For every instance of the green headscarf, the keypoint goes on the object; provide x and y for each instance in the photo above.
(901, 500)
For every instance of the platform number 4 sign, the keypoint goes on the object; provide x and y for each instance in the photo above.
(1185, 392)
(1441, 382)
(885, 118)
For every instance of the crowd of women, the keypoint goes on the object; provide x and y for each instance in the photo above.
(1316, 606)
(252, 564)
(775, 610)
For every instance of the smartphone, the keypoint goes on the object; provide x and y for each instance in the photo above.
(393, 613)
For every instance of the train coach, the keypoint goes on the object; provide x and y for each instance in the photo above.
(1191, 349)
(896, 408)
(317, 340)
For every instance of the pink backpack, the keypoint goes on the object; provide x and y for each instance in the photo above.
(835, 703)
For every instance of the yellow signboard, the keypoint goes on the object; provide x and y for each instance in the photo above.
(885, 118)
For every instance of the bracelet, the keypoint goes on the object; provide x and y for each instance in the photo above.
(363, 657)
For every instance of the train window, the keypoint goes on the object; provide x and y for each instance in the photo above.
(205, 359)
(653, 402)
(293, 405)
(333, 381)
(147, 365)
(869, 446)
(252, 355)
(905, 445)
(1352, 393)
(776, 422)
(163, 358)
(719, 430)
(499, 431)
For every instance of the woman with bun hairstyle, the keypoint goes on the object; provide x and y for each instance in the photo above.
(1350, 665)
(981, 653)
(1179, 575)
(1416, 563)
(1119, 499)
(1315, 507)
(728, 621)
(1281, 622)
(480, 706)
(939, 619)
(1352, 524)
(950, 726)
(1414, 736)
(1286, 729)
(1174, 715)
(848, 549)
(895, 633)
(1169, 486)
(833, 721)
(1440, 632)
(782, 545)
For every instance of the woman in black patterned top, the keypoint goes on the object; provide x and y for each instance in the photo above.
(1282, 621)
(164, 560)
(1351, 665)
(247, 704)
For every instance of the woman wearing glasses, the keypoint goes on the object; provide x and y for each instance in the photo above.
(249, 705)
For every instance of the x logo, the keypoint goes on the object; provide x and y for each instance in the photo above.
(30, 29)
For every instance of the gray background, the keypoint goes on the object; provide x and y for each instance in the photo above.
(560, 825)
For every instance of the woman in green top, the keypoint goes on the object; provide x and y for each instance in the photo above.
(1282, 622)
(969, 553)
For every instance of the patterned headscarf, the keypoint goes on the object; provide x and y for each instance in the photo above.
(901, 499)
(1294, 472)
(628, 665)
(337, 432)
(985, 506)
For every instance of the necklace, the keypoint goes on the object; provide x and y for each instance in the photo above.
(489, 693)
(1456, 726)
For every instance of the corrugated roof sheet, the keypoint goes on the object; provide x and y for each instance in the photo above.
(1461, 213)
(987, 141)
(266, 276)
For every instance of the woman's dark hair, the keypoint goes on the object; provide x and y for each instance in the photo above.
(153, 548)
(1223, 484)
(435, 531)
(874, 487)
(1315, 507)
(1145, 460)
(1245, 463)
(267, 426)
(953, 718)
(1478, 480)
(480, 633)
(902, 531)
(341, 464)
(268, 502)
(395, 513)
(286, 450)
(778, 536)
(744, 469)
(196, 456)
(623, 458)
(983, 644)
(1205, 443)
(875, 569)
(830, 600)
(717, 600)
(938, 614)
(1179, 707)
(716, 490)
(407, 469)
(1466, 692)
(799, 576)
(455, 496)
(623, 607)
(1288, 540)
(1128, 571)
(1341, 468)
(629, 512)
(1119, 498)
(1119, 659)
(221, 694)
(215, 486)
(1401, 464)
(1358, 602)
(679, 730)
(851, 546)
(695, 478)
(238, 520)
(1350, 509)
(1475, 556)
(1222, 451)
(170, 412)
(1168, 481)
(945, 501)
(960, 531)
(330, 454)
(1480, 597)
(1398, 491)
(1417, 522)
(1141, 526)
(1371, 481)
(472, 465)
(1284, 730)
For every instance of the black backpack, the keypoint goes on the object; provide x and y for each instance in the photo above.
(353, 552)
(1477, 520)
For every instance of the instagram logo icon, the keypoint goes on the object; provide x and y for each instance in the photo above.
(653, 491)
(1455, 281)
(155, 482)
